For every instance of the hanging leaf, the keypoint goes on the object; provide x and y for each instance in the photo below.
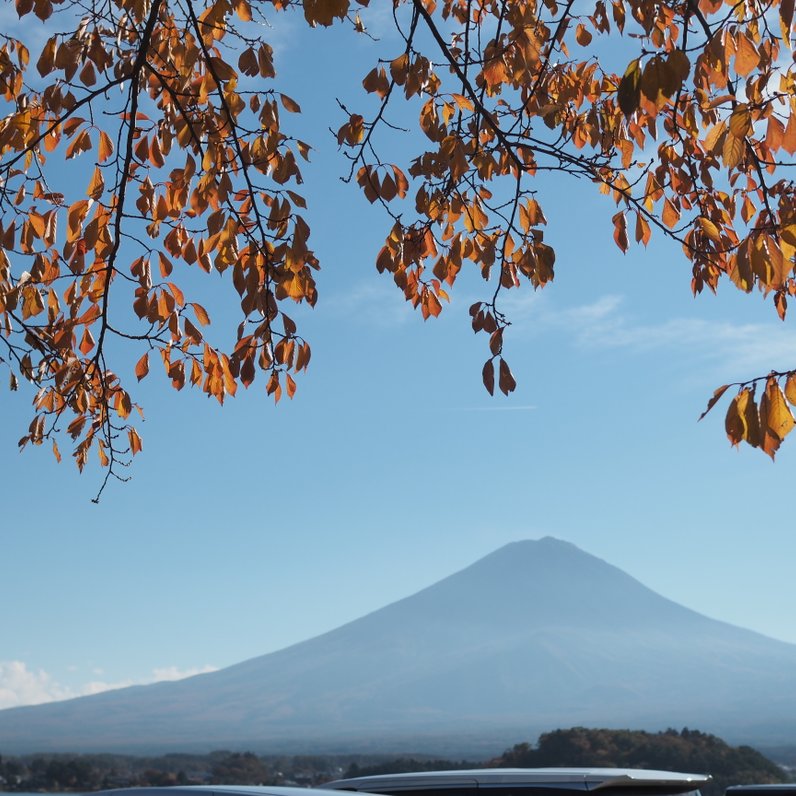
(142, 367)
(629, 90)
(715, 399)
(775, 415)
(506, 381)
(488, 376)
(620, 231)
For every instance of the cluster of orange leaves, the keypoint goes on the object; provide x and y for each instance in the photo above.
(691, 139)
(192, 169)
(764, 425)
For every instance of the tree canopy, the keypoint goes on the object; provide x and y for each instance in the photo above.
(144, 143)
(688, 750)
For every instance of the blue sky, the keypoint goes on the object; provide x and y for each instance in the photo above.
(249, 527)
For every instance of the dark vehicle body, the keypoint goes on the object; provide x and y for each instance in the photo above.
(214, 790)
(528, 782)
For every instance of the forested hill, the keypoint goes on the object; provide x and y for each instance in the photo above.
(689, 750)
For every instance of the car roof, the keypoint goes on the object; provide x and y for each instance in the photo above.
(208, 790)
(766, 788)
(577, 778)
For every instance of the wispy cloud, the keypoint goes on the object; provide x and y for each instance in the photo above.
(20, 685)
(281, 30)
(379, 21)
(175, 673)
(378, 303)
(607, 323)
(521, 408)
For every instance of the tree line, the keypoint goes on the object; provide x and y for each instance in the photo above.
(91, 772)
(685, 750)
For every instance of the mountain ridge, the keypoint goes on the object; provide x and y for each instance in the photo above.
(537, 634)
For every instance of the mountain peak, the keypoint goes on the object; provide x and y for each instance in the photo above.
(536, 635)
(548, 577)
(545, 546)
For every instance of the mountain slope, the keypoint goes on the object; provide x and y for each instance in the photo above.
(535, 636)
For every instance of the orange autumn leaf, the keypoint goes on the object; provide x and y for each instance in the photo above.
(141, 159)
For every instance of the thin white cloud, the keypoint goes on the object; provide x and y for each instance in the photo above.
(98, 686)
(159, 674)
(379, 22)
(520, 408)
(281, 30)
(607, 324)
(20, 685)
(378, 303)
(175, 673)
